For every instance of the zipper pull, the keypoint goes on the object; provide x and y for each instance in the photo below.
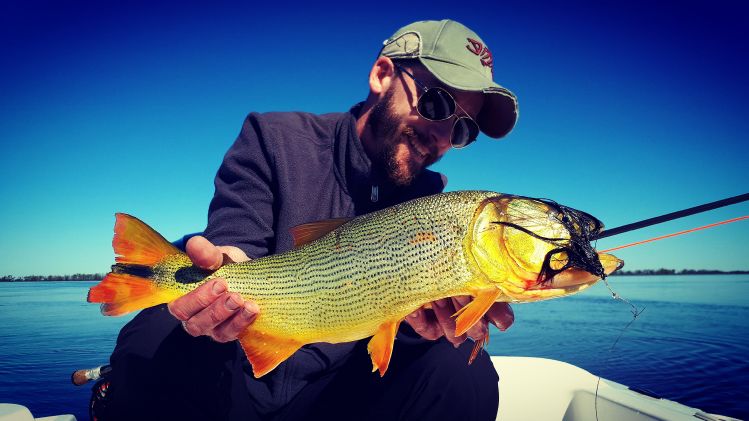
(375, 196)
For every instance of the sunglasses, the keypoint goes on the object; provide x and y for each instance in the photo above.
(436, 104)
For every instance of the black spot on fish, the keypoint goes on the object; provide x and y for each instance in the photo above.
(141, 271)
(190, 275)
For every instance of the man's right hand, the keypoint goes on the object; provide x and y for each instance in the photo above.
(210, 309)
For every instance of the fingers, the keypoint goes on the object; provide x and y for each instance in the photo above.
(443, 311)
(218, 312)
(203, 253)
(501, 315)
(196, 301)
(212, 311)
(425, 324)
(230, 329)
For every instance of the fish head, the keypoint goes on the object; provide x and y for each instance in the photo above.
(535, 249)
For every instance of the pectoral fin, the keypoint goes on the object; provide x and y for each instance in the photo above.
(380, 347)
(307, 233)
(475, 310)
(266, 352)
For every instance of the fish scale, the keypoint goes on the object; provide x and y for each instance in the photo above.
(364, 270)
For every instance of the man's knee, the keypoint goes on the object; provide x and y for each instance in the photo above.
(450, 366)
(449, 384)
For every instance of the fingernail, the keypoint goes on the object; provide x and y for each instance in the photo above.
(232, 303)
(499, 326)
(250, 311)
(251, 308)
(219, 288)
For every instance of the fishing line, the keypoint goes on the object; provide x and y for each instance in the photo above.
(728, 221)
(645, 223)
(636, 312)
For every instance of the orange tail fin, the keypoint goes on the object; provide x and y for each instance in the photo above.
(121, 293)
(137, 246)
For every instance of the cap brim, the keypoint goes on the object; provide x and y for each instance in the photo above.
(500, 110)
(499, 113)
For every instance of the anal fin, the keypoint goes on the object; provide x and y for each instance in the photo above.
(475, 310)
(266, 352)
(380, 347)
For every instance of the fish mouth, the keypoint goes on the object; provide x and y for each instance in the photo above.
(574, 277)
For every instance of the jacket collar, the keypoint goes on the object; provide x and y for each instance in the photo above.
(369, 188)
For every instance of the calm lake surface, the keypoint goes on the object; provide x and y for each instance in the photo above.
(690, 344)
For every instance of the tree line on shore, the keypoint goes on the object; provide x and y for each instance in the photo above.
(39, 278)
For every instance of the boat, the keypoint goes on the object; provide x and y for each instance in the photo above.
(15, 412)
(570, 393)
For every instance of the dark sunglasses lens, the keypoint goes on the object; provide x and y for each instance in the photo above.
(465, 131)
(436, 104)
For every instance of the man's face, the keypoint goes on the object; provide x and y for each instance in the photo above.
(408, 142)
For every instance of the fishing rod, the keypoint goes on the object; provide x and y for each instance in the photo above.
(676, 215)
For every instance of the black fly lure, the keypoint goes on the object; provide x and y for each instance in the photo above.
(582, 227)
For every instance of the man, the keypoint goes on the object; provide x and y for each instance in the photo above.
(431, 89)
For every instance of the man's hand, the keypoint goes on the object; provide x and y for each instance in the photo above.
(210, 310)
(438, 321)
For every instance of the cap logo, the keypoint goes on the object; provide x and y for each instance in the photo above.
(481, 50)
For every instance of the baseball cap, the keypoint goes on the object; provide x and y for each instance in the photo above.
(461, 60)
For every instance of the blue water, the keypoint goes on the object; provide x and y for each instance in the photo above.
(690, 344)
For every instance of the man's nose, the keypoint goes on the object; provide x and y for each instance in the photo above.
(441, 135)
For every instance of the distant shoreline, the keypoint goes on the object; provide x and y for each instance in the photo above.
(78, 277)
(83, 277)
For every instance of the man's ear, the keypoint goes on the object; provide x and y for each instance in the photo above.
(381, 76)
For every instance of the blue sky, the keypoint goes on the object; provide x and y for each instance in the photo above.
(627, 111)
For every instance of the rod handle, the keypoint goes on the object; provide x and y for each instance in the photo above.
(83, 376)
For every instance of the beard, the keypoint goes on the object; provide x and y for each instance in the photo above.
(387, 129)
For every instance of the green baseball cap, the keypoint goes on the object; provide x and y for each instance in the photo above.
(461, 60)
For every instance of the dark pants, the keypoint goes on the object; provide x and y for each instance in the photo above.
(159, 372)
(424, 381)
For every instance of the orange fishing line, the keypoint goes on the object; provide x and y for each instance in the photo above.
(677, 233)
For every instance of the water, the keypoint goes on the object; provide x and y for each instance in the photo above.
(689, 345)
(47, 331)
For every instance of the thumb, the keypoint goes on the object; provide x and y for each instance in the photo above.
(203, 253)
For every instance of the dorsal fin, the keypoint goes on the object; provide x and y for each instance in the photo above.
(307, 233)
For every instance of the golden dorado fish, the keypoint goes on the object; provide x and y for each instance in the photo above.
(349, 279)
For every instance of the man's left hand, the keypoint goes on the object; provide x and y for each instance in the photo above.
(438, 321)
